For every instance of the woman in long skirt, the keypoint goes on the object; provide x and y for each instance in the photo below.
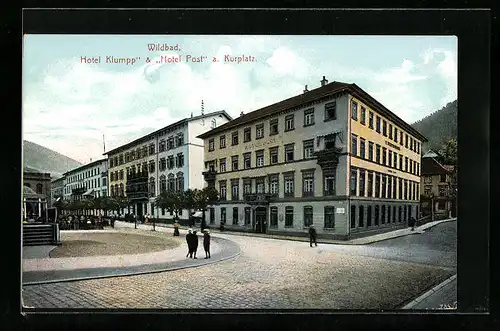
(206, 243)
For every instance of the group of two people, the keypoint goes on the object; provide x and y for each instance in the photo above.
(192, 242)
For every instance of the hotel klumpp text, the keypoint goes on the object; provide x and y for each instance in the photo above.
(333, 157)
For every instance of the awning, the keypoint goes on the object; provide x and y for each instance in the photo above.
(197, 214)
(89, 192)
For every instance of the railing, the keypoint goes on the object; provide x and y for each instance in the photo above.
(209, 174)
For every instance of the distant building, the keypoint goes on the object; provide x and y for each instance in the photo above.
(86, 181)
(332, 156)
(169, 159)
(437, 187)
(38, 194)
(57, 190)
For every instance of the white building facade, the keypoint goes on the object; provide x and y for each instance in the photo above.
(169, 159)
(87, 180)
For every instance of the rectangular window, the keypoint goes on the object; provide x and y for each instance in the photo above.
(247, 135)
(390, 131)
(384, 186)
(377, 124)
(370, 151)
(405, 188)
(274, 217)
(259, 158)
(288, 217)
(377, 154)
(390, 159)
(354, 144)
(362, 186)
(234, 162)
(384, 128)
(289, 185)
(247, 186)
(260, 185)
(354, 180)
(274, 184)
(170, 162)
(247, 159)
(389, 187)
(406, 140)
(234, 138)
(289, 123)
(273, 155)
(370, 120)
(235, 190)
(363, 115)
(406, 164)
(361, 217)
(362, 152)
(248, 211)
(377, 214)
(330, 111)
(307, 183)
(354, 110)
(353, 216)
(370, 184)
(400, 162)
(273, 127)
(384, 155)
(211, 145)
(329, 217)
(442, 178)
(395, 161)
(289, 152)
(369, 216)
(395, 134)
(394, 186)
(180, 160)
(170, 143)
(180, 139)
(259, 131)
(377, 185)
(400, 180)
(411, 144)
(309, 117)
(308, 148)
(383, 214)
(329, 187)
(223, 214)
(222, 190)
(308, 215)
(401, 138)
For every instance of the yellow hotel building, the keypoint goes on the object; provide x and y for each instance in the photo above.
(333, 157)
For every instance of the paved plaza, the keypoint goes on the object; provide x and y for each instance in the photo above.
(275, 274)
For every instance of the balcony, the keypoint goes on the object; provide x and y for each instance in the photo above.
(258, 198)
(209, 175)
(78, 191)
(328, 158)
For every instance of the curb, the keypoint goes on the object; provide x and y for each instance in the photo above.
(126, 274)
(433, 290)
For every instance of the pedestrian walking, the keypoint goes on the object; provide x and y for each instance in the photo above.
(176, 229)
(195, 244)
(189, 240)
(147, 218)
(206, 243)
(412, 223)
(312, 235)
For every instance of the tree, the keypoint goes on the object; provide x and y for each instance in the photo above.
(205, 197)
(172, 201)
(190, 199)
(449, 152)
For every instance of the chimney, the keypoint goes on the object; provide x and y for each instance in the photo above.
(202, 107)
(241, 114)
(324, 81)
(191, 114)
(306, 90)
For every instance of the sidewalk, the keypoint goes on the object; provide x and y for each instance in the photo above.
(441, 296)
(358, 241)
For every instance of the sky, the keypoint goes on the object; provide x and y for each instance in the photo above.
(69, 104)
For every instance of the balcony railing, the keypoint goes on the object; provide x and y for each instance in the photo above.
(328, 158)
(209, 175)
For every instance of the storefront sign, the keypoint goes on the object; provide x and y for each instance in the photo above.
(340, 210)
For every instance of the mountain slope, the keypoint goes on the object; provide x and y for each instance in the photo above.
(46, 160)
(439, 127)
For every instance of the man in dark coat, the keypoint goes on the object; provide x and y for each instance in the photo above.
(206, 243)
(189, 240)
(412, 223)
(195, 244)
(312, 235)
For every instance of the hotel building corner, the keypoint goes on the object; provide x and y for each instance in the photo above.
(333, 157)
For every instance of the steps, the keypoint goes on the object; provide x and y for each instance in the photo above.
(43, 234)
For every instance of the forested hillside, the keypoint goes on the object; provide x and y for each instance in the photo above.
(439, 127)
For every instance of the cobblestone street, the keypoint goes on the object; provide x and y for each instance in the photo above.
(269, 273)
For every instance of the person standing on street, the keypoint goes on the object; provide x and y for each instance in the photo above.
(412, 223)
(195, 244)
(206, 243)
(312, 236)
(189, 240)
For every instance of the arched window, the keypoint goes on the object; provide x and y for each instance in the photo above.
(152, 187)
(180, 182)
(39, 188)
(163, 183)
(122, 193)
(171, 182)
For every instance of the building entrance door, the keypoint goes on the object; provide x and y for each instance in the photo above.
(260, 219)
(139, 211)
